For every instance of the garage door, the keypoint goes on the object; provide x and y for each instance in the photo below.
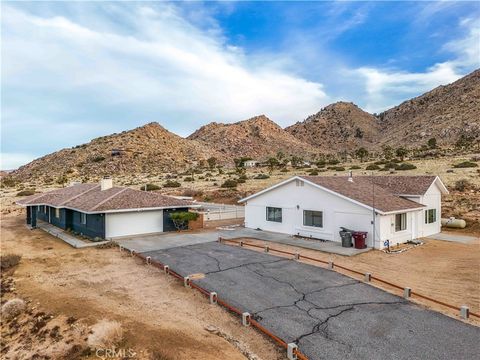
(133, 223)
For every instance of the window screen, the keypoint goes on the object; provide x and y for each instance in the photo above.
(274, 214)
(313, 218)
(430, 216)
(400, 222)
(83, 218)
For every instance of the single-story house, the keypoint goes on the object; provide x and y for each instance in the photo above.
(250, 163)
(104, 211)
(393, 208)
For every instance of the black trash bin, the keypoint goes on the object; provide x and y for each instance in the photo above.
(346, 238)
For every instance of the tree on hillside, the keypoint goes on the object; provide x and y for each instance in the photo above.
(361, 153)
(387, 152)
(280, 156)
(296, 161)
(272, 164)
(401, 152)
(432, 143)
(212, 161)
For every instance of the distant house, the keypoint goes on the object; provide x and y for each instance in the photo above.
(393, 208)
(104, 211)
(250, 163)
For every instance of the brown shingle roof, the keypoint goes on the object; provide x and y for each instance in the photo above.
(404, 185)
(89, 198)
(363, 191)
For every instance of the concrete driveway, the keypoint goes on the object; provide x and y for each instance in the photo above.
(453, 237)
(329, 315)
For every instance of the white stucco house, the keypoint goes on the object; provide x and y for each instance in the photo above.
(250, 163)
(393, 208)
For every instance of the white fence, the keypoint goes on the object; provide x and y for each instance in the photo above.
(212, 212)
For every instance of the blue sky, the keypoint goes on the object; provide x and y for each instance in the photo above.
(72, 71)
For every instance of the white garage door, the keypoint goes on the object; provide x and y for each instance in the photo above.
(353, 221)
(133, 223)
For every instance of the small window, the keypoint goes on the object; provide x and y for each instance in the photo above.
(430, 216)
(274, 214)
(400, 222)
(313, 218)
(83, 218)
(57, 213)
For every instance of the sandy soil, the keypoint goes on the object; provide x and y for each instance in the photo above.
(446, 271)
(161, 318)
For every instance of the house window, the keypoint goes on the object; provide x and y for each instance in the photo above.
(57, 213)
(38, 208)
(83, 218)
(313, 218)
(400, 222)
(430, 216)
(274, 214)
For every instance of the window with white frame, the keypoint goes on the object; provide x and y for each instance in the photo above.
(57, 213)
(430, 216)
(400, 221)
(313, 218)
(274, 214)
(83, 218)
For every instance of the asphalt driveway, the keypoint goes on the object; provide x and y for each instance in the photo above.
(329, 315)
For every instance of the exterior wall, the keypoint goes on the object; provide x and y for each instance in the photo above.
(133, 223)
(61, 221)
(41, 214)
(433, 200)
(94, 227)
(336, 212)
(387, 229)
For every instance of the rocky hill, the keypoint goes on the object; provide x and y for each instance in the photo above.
(258, 137)
(446, 113)
(146, 149)
(338, 126)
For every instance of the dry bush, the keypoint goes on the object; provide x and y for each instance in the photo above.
(105, 334)
(8, 261)
(13, 308)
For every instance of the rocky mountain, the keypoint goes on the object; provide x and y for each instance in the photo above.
(146, 149)
(446, 113)
(258, 137)
(339, 126)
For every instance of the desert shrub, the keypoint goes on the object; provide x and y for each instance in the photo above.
(241, 181)
(466, 164)
(13, 308)
(105, 334)
(149, 187)
(313, 172)
(339, 168)
(26, 192)
(243, 177)
(98, 159)
(171, 184)
(8, 261)
(189, 179)
(7, 182)
(380, 162)
(181, 218)
(229, 184)
(284, 170)
(355, 167)
(462, 185)
(405, 166)
(372, 167)
(390, 165)
(334, 162)
(192, 192)
(262, 176)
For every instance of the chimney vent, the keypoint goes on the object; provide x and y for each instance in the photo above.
(106, 183)
(350, 177)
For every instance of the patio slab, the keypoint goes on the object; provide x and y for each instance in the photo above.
(453, 237)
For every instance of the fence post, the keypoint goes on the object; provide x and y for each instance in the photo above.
(330, 265)
(407, 292)
(213, 297)
(246, 319)
(464, 312)
(166, 269)
(368, 277)
(291, 351)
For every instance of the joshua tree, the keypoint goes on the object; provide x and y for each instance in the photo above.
(361, 153)
(401, 152)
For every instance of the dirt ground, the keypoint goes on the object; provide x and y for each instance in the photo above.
(446, 271)
(161, 318)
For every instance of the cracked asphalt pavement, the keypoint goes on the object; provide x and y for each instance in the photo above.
(328, 315)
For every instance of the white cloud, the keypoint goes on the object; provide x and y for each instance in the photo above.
(386, 88)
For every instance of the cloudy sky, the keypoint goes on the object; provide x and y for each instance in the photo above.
(72, 71)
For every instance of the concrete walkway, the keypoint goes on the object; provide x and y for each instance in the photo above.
(329, 315)
(325, 246)
(453, 237)
(65, 236)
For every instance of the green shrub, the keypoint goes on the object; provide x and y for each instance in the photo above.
(355, 167)
(466, 164)
(262, 176)
(405, 166)
(462, 185)
(189, 179)
(390, 165)
(372, 167)
(339, 168)
(229, 184)
(27, 192)
(181, 218)
(171, 184)
(334, 162)
(98, 159)
(313, 172)
(149, 187)
(284, 170)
